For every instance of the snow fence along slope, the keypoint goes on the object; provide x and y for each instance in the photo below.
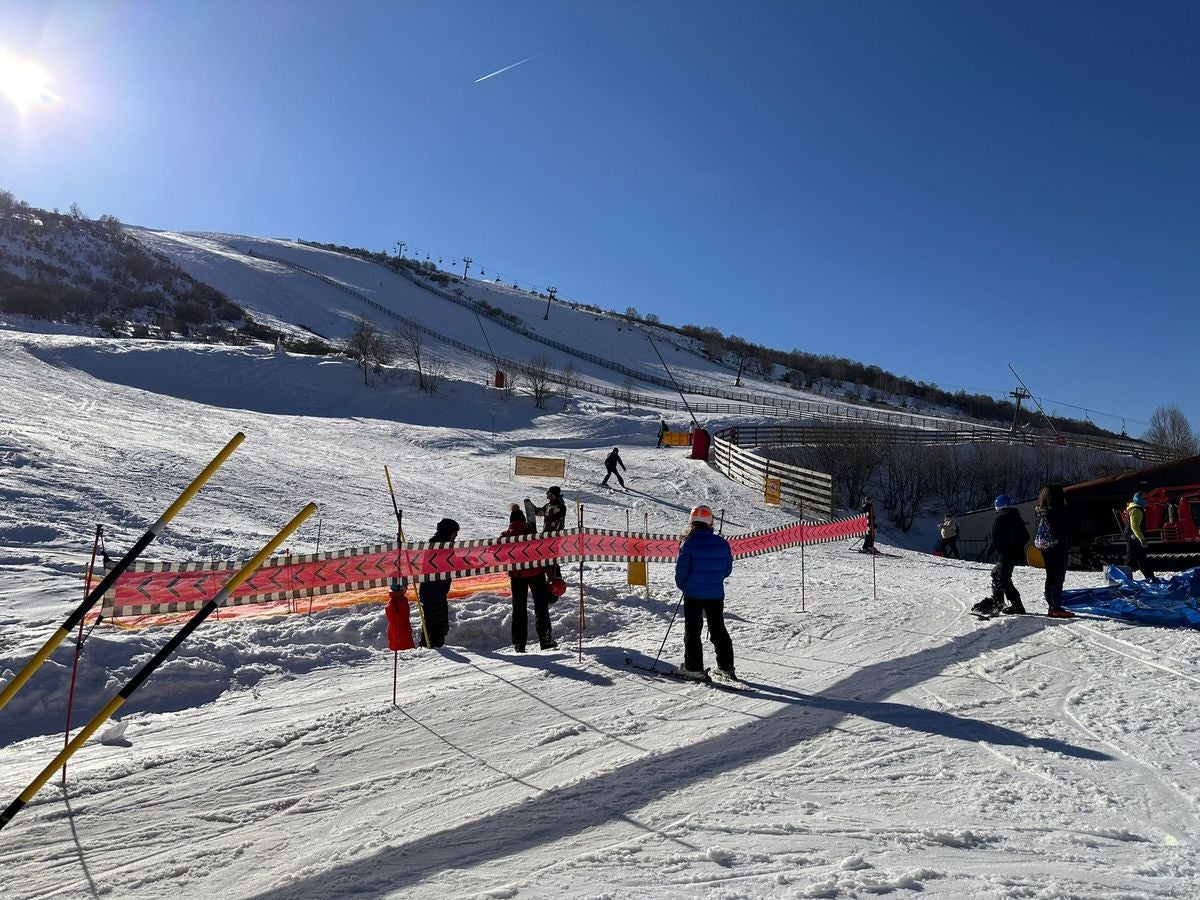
(153, 588)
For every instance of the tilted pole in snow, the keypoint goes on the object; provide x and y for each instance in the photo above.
(400, 540)
(674, 382)
(110, 579)
(148, 669)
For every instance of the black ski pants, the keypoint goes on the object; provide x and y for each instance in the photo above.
(695, 612)
(436, 608)
(611, 472)
(1055, 560)
(542, 598)
(949, 548)
(1002, 585)
(1135, 556)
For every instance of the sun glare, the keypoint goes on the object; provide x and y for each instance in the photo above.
(24, 84)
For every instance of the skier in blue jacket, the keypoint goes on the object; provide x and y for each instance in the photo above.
(704, 562)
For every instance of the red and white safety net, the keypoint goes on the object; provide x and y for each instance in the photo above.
(152, 588)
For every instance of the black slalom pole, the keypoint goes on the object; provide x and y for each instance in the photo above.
(148, 669)
(122, 564)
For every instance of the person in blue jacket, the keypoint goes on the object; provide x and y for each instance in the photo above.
(704, 562)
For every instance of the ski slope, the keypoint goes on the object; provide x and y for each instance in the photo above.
(889, 744)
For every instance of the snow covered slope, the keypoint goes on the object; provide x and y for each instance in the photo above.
(889, 744)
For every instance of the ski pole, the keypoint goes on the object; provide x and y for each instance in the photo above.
(122, 564)
(87, 589)
(665, 636)
(148, 669)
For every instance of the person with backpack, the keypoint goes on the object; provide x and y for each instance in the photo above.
(434, 594)
(1051, 537)
(948, 546)
(1135, 537)
(610, 463)
(524, 582)
(1008, 538)
(705, 561)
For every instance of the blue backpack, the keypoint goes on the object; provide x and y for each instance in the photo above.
(1044, 540)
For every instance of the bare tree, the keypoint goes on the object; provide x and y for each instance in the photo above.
(539, 379)
(436, 370)
(1170, 428)
(567, 376)
(908, 481)
(368, 347)
(411, 341)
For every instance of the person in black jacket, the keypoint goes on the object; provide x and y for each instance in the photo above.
(524, 582)
(1008, 538)
(610, 463)
(554, 518)
(434, 594)
(1053, 540)
(868, 510)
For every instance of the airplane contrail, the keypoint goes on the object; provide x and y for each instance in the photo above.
(506, 68)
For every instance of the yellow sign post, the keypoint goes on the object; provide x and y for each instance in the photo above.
(774, 487)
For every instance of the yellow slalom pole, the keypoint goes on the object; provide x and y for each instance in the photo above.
(134, 683)
(124, 563)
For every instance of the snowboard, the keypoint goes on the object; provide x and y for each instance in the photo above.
(531, 516)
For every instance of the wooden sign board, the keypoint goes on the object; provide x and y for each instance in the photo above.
(772, 491)
(636, 572)
(541, 467)
(675, 439)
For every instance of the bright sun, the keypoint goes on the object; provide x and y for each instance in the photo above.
(24, 84)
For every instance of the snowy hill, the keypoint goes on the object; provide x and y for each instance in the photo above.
(889, 744)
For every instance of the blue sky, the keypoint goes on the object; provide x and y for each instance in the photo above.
(937, 188)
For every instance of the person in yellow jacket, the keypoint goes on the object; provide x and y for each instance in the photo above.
(1135, 538)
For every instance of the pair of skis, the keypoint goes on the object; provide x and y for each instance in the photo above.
(148, 669)
(712, 679)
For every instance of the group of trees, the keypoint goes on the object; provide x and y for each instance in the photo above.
(67, 267)
(910, 479)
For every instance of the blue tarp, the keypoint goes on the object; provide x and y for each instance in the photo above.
(1175, 602)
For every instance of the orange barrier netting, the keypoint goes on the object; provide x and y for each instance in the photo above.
(151, 589)
(462, 587)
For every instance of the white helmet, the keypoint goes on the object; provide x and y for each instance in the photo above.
(702, 514)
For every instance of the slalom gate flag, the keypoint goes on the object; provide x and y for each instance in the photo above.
(149, 588)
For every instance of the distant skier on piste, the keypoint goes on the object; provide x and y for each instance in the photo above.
(1051, 537)
(662, 432)
(704, 562)
(1008, 538)
(610, 463)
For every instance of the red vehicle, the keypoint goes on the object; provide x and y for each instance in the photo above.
(1171, 525)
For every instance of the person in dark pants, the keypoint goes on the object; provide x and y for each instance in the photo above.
(868, 509)
(1052, 539)
(524, 582)
(1008, 538)
(949, 538)
(1135, 537)
(610, 463)
(662, 432)
(433, 594)
(554, 518)
(704, 562)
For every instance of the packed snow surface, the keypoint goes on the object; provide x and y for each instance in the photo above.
(887, 743)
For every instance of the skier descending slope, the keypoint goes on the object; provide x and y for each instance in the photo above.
(1008, 537)
(704, 562)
